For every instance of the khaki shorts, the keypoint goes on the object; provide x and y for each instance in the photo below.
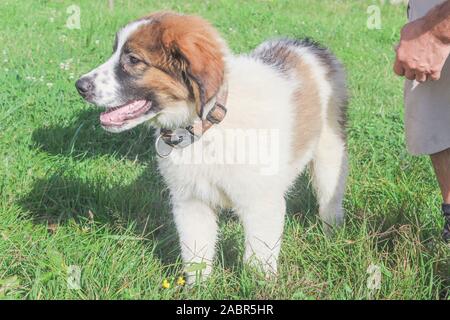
(427, 113)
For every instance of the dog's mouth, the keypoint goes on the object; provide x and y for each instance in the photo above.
(121, 115)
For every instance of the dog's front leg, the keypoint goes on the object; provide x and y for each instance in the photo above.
(197, 229)
(263, 225)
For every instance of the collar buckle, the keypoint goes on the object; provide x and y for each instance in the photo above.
(183, 137)
(178, 139)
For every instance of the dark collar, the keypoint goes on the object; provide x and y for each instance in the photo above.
(183, 137)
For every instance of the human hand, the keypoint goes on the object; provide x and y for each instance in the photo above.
(421, 55)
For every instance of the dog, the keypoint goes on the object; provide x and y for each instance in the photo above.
(175, 73)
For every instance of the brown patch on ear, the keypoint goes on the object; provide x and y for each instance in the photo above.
(196, 46)
(181, 51)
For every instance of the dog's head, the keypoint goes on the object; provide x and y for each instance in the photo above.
(165, 66)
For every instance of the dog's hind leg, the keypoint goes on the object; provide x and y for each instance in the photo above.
(329, 173)
(197, 228)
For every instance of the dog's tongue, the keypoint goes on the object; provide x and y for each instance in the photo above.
(118, 115)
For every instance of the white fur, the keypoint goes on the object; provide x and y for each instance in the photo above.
(106, 92)
(208, 175)
(259, 98)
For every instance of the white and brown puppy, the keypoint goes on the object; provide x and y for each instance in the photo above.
(173, 71)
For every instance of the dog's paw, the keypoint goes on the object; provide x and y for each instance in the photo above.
(197, 272)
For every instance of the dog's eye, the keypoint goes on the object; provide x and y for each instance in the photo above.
(134, 60)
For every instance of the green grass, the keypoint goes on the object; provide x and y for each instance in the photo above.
(72, 194)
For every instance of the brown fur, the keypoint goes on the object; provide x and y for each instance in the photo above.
(308, 111)
(308, 123)
(185, 55)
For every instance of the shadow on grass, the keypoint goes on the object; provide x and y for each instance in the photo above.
(57, 200)
(144, 204)
(87, 139)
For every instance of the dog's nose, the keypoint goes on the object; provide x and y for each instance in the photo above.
(85, 86)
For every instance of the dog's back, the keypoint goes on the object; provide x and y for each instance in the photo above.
(291, 57)
(320, 103)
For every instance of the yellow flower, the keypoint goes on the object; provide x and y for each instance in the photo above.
(181, 281)
(166, 284)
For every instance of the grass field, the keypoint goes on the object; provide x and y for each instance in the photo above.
(72, 194)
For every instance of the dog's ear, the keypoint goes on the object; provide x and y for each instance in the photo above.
(196, 48)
